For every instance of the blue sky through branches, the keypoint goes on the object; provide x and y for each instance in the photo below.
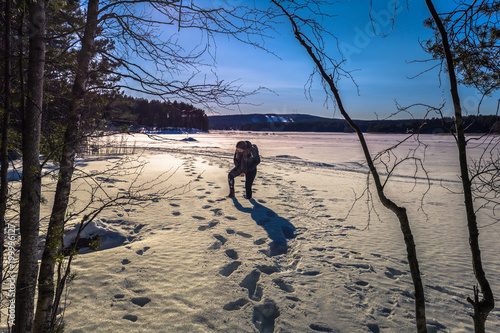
(381, 65)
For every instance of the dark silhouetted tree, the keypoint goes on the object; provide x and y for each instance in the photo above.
(470, 64)
(301, 17)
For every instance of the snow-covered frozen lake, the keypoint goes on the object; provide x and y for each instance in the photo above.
(199, 262)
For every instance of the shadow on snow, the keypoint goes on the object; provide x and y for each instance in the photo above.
(278, 229)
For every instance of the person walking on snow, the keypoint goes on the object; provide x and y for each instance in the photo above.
(246, 158)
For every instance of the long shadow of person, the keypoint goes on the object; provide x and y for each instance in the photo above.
(278, 229)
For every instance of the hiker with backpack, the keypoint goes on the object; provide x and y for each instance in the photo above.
(246, 158)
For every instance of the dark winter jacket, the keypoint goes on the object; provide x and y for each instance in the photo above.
(252, 160)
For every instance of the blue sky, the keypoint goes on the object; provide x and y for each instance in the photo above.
(381, 66)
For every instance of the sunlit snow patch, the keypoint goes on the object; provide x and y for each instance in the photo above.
(97, 235)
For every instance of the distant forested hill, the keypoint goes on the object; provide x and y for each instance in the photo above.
(265, 120)
(139, 112)
(308, 123)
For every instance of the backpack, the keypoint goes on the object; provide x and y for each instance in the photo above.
(255, 150)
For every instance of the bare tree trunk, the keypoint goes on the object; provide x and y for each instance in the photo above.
(22, 93)
(4, 152)
(31, 184)
(484, 306)
(45, 314)
(400, 212)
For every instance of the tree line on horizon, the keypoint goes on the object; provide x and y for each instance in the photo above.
(139, 112)
(473, 124)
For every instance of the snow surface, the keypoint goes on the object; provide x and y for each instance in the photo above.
(201, 262)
